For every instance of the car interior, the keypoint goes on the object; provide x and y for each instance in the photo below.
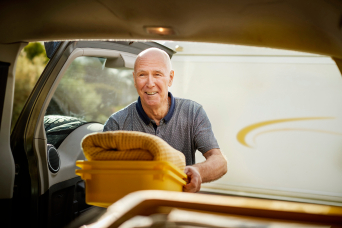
(95, 80)
(94, 46)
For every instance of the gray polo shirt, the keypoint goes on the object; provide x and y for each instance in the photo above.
(186, 126)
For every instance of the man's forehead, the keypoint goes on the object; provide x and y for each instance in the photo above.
(153, 61)
(149, 64)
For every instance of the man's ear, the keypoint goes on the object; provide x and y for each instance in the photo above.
(172, 74)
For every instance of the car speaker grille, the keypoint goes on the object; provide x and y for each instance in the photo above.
(53, 158)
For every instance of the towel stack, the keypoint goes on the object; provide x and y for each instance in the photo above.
(130, 146)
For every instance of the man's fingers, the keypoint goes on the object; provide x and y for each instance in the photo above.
(194, 184)
(187, 171)
(191, 187)
(194, 179)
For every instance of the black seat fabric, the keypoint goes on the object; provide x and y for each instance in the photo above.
(57, 127)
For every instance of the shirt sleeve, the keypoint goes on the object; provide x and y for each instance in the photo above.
(204, 137)
(111, 125)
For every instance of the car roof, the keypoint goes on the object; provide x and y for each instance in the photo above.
(307, 25)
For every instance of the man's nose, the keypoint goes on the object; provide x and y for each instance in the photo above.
(150, 81)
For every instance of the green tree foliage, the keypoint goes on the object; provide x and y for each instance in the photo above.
(31, 63)
(33, 50)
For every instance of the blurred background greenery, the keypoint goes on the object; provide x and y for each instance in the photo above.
(31, 63)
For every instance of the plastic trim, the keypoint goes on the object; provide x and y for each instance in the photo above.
(50, 148)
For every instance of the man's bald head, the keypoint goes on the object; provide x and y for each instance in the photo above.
(152, 76)
(154, 55)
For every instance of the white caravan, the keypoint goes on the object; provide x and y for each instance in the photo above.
(277, 116)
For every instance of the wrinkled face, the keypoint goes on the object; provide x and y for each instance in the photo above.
(152, 77)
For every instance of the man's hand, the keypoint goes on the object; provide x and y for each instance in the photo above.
(195, 179)
(212, 169)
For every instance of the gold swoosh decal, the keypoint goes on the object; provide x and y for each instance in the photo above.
(296, 129)
(241, 136)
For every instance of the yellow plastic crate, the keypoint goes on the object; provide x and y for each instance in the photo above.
(108, 181)
(130, 165)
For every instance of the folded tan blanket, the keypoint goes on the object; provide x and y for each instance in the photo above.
(131, 146)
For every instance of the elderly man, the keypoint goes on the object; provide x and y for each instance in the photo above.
(180, 122)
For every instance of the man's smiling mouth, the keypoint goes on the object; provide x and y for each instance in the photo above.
(150, 93)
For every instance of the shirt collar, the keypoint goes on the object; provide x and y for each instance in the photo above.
(144, 116)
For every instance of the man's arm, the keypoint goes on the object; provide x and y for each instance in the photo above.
(212, 169)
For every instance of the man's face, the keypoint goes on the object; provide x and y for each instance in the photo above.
(152, 77)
